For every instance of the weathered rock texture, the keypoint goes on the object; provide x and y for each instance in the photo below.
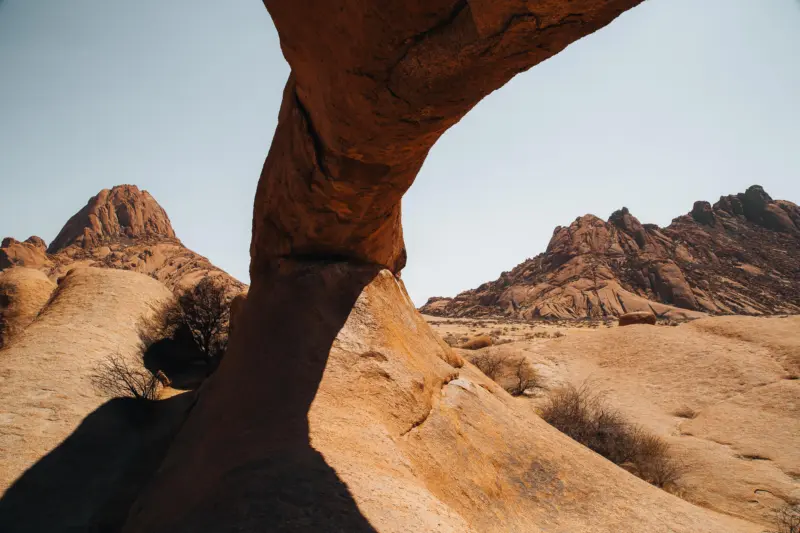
(739, 256)
(373, 86)
(114, 215)
(637, 317)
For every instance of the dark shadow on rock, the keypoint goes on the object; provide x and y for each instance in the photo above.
(88, 483)
(243, 462)
(179, 358)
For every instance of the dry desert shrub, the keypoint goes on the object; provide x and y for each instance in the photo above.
(118, 377)
(788, 518)
(686, 412)
(476, 343)
(523, 376)
(489, 363)
(544, 335)
(584, 416)
(205, 310)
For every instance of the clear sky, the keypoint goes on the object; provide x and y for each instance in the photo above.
(676, 101)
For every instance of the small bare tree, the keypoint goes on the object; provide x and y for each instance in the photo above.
(525, 377)
(205, 310)
(489, 364)
(117, 377)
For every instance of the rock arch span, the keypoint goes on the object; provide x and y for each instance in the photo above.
(373, 87)
(331, 371)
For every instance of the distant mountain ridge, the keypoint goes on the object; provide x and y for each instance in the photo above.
(739, 256)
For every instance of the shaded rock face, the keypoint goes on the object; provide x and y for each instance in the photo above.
(740, 256)
(121, 212)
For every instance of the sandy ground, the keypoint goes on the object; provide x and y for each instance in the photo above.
(732, 380)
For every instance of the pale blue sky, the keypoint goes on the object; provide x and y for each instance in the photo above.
(677, 101)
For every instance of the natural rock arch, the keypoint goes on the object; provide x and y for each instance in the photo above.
(373, 86)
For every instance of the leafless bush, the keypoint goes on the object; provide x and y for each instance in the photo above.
(521, 377)
(205, 311)
(489, 363)
(788, 518)
(585, 417)
(118, 377)
(525, 377)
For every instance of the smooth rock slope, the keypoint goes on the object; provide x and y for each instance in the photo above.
(357, 417)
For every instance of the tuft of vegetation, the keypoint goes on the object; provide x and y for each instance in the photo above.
(544, 335)
(205, 311)
(525, 377)
(585, 417)
(119, 377)
(191, 330)
(452, 340)
(686, 412)
(788, 518)
(490, 364)
(476, 343)
(521, 377)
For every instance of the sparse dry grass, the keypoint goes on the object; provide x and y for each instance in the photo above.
(686, 412)
(584, 416)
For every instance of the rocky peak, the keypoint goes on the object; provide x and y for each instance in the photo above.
(37, 242)
(738, 256)
(703, 213)
(758, 207)
(31, 252)
(628, 223)
(123, 212)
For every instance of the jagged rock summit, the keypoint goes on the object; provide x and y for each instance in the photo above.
(739, 256)
(113, 214)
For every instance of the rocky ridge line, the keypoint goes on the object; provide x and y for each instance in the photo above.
(739, 256)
